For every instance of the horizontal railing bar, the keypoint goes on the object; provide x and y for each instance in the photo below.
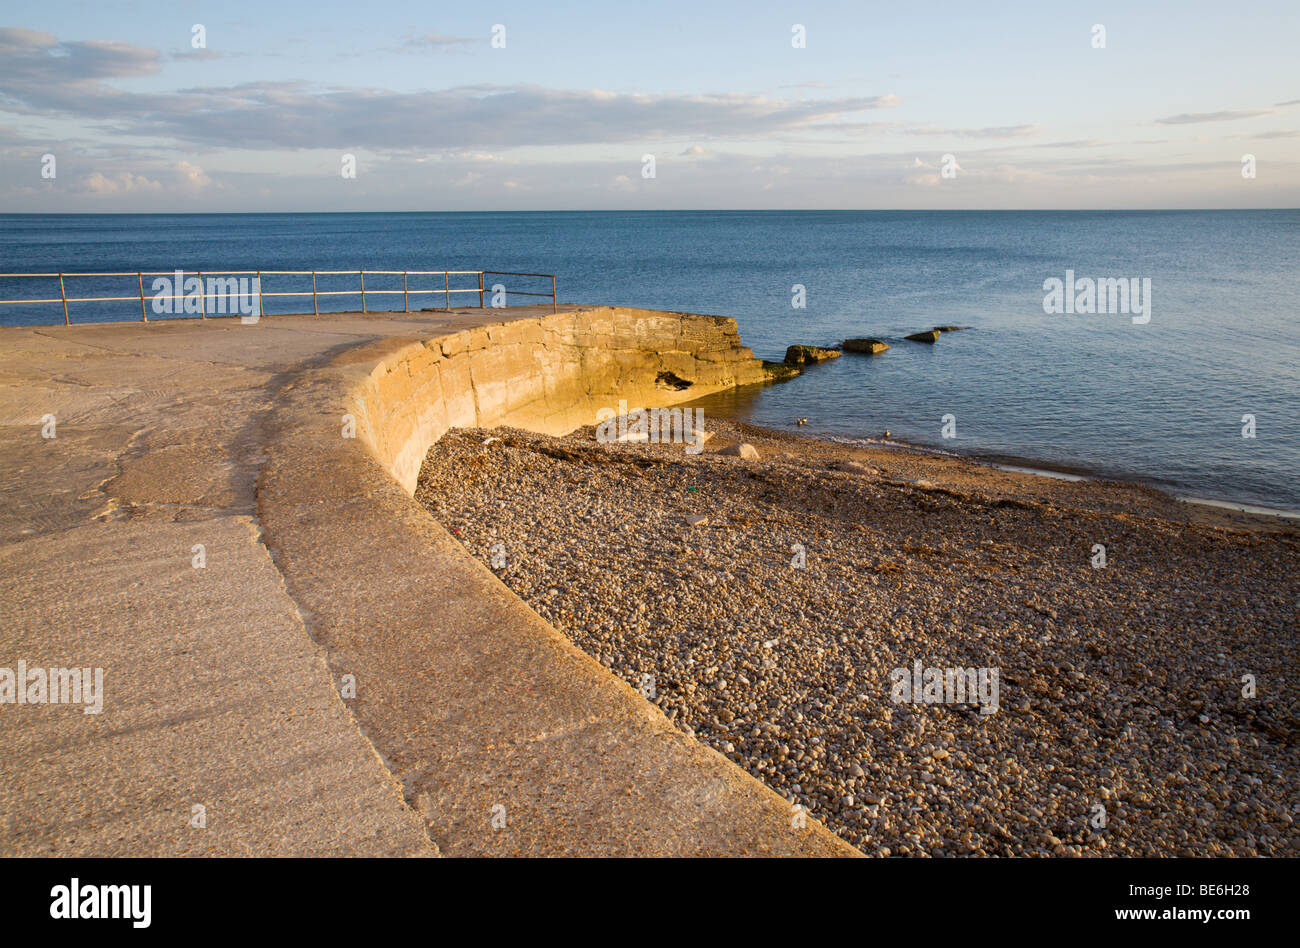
(331, 293)
(322, 272)
(511, 273)
(114, 273)
(127, 273)
(217, 296)
(94, 299)
(131, 273)
(149, 273)
(417, 272)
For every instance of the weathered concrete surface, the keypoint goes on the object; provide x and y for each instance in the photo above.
(222, 682)
(550, 375)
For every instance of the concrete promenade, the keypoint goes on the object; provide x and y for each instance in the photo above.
(228, 725)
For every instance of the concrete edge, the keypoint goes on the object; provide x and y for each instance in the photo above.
(460, 683)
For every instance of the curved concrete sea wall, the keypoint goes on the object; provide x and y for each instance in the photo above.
(551, 375)
(479, 707)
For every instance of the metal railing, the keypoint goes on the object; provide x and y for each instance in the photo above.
(203, 296)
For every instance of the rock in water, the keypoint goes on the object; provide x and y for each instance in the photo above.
(742, 450)
(805, 355)
(780, 371)
(930, 335)
(868, 346)
(949, 328)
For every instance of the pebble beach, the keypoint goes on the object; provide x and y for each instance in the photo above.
(1147, 702)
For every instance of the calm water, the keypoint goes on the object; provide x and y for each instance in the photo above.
(1161, 402)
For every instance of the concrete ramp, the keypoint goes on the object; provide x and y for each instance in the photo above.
(476, 728)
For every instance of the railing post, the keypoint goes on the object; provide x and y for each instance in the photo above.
(260, 314)
(406, 304)
(314, 310)
(203, 310)
(553, 309)
(446, 284)
(480, 289)
(64, 296)
(144, 314)
(362, 274)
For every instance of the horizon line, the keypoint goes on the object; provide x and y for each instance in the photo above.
(677, 210)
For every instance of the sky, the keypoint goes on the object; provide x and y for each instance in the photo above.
(117, 106)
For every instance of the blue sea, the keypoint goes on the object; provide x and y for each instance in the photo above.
(1164, 402)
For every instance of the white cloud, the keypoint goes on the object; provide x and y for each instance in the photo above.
(1232, 115)
(192, 176)
(121, 182)
(435, 41)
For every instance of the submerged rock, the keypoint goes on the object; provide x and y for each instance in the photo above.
(930, 335)
(868, 346)
(804, 355)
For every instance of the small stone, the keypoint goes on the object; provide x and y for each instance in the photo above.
(857, 467)
(743, 450)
